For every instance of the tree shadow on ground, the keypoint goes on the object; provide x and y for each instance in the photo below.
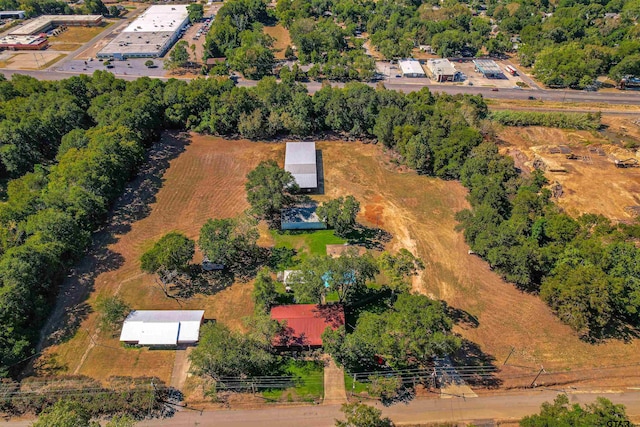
(617, 329)
(200, 282)
(370, 238)
(461, 318)
(480, 369)
(133, 205)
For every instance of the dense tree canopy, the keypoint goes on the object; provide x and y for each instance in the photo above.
(340, 214)
(229, 242)
(561, 414)
(407, 335)
(173, 251)
(269, 189)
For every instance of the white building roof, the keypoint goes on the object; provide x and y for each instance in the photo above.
(159, 18)
(411, 66)
(441, 67)
(300, 160)
(162, 327)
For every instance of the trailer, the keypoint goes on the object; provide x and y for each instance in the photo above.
(511, 70)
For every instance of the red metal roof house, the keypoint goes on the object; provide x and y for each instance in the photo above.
(305, 323)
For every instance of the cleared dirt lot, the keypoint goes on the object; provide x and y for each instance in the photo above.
(33, 60)
(591, 183)
(282, 39)
(206, 180)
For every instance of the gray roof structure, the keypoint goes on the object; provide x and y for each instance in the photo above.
(44, 22)
(488, 67)
(300, 160)
(302, 218)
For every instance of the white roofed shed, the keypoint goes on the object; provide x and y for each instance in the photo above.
(162, 327)
(300, 160)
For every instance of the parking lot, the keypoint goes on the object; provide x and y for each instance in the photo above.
(470, 76)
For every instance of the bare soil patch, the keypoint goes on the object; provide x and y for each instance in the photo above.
(282, 39)
(592, 183)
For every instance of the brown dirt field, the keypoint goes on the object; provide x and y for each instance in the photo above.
(65, 47)
(282, 39)
(79, 34)
(206, 180)
(33, 60)
(419, 212)
(593, 186)
(521, 104)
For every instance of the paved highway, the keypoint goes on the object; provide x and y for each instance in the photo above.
(406, 85)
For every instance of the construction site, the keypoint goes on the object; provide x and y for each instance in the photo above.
(586, 172)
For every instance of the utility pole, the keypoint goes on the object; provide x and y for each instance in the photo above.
(533, 383)
(510, 353)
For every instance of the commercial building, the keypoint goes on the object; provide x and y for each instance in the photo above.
(13, 14)
(441, 70)
(23, 42)
(411, 68)
(44, 23)
(151, 35)
(300, 160)
(305, 324)
(162, 327)
(488, 68)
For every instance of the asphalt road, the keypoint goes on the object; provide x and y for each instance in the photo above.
(510, 406)
(407, 85)
(507, 406)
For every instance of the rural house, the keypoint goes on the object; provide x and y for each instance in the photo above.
(305, 324)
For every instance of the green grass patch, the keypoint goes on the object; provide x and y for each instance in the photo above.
(309, 383)
(355, 387)
(306, 242)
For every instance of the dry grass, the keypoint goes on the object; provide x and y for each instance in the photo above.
(282, 39)
(79, 34)
(207, 179)
(520, 104)
(65, 47)
(593, 186)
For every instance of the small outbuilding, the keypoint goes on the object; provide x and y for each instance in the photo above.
(411, 68)
(305, 323)
(441, 70)
(300, 160)
(488, 68)
(156, 328)
(301, 218)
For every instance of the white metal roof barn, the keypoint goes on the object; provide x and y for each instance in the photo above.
(411, 68)
(300, 160)
(162, 327)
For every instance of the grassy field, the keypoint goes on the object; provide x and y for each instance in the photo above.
(204, 177)
(309, 383)
(306, 242)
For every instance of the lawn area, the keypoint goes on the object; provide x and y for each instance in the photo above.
(309, 383)
(354, 387)
(282, 39)
(306, 242)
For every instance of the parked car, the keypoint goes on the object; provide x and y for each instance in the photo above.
(495, 89)
(532, 98)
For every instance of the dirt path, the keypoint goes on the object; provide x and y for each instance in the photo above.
(334, 389)
(180, 369)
